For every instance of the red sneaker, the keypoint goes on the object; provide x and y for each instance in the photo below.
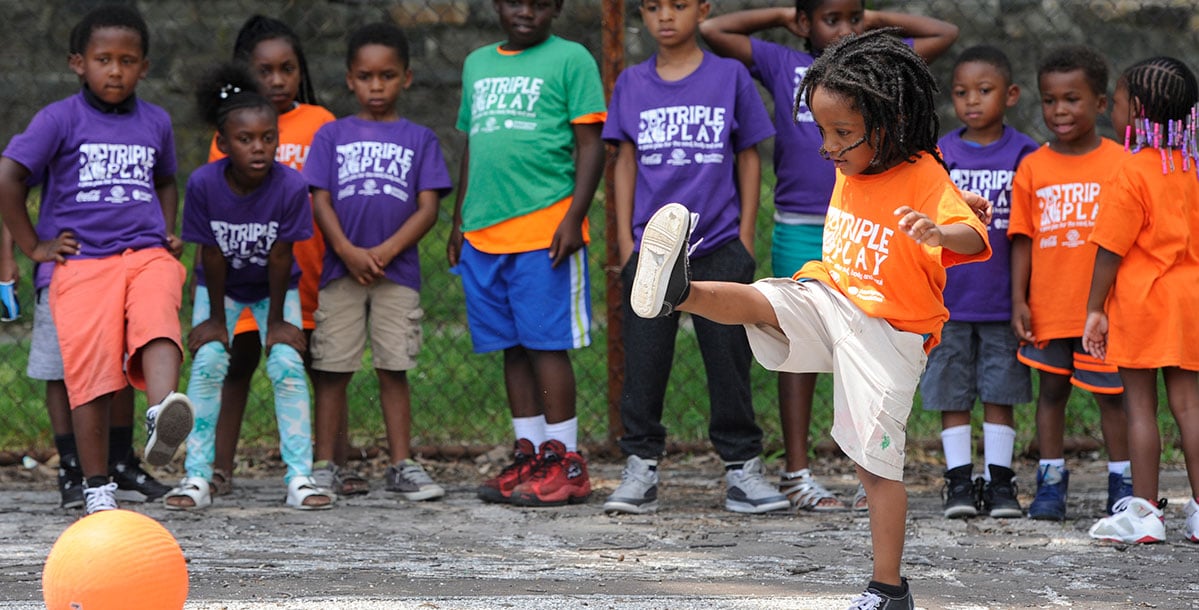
(560, 478)
(499, 488)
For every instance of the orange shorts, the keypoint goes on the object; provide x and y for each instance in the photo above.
(107, 309)
(310, 256)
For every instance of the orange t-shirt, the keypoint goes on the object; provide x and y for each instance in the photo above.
(1055, 198)
(1152, 220)
(878, 268)
(296, 129)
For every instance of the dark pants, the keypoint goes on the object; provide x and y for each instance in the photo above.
(649, 354)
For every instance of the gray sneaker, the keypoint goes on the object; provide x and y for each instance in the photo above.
(750, 492)
(324, 474)
(409, 479)
(638, 489)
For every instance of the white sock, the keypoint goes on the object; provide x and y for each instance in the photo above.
(998, 441)
(956, 443)
(532, 428)
(565, 431)
(1059, 462)
(1118, 467)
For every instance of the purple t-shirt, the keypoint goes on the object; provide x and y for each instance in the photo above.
(97, 173)
(374, 172)
(982, 292)
(805, 181)
(687, 134)
(245, 227)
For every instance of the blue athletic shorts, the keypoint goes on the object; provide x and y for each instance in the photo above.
(1067, 357)
(519, 300)
(974, 360)
(793, 245)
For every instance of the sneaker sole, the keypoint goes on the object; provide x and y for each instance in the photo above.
(535, 502)
(660, 249)
(416, 496)
(494, 496)
(960, 512)
(72, 503)
(132, 495)
(174, 423)
(1006, 513)
(617, 506)
(756, 509)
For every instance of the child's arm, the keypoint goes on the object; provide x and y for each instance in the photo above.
(728, 35)
(15, 215)
(214, 328)
(1021, 272)
(930, 37)
(624, 178)
(955, 237)
(1094, 334)
(411, 231)
(361, 264)
(749, 188)
(589, 166)
(453, 247)
(278, 271)
(168, 197)
(8, 263)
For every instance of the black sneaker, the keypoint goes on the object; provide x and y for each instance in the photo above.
(663, 277)
(999, 494)
(873, 599)
(70, 482)
(135, 484)
(960, 493)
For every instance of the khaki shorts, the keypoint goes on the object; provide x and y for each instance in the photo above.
(347, 307)
(875, 367)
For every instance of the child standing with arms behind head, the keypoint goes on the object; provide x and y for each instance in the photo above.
(245, 211)
(1055, 194)
(274, 56)
(976, 358)
(717, 178)
(805, 181)
(871, 307)
(106, 164)
(532, 107)
(376, 180)
(1145, 286)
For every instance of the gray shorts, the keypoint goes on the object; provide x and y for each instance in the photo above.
(45, 357)
(975, 360)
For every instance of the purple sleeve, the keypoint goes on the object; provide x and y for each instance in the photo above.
(433, 174)
(196, 228)
(296, 222)
(753, 123)
(35, 147)
(166, 165)
(614, 132)
(321, 159)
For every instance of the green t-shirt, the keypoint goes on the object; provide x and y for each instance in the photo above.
(517, 110)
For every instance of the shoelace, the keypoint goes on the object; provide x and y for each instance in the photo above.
(152, 419)
(544, 466)
(100, 498)
(866, 601)
(416, 474)
(692, 246)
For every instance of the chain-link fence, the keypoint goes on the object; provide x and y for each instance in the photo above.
(458, 397)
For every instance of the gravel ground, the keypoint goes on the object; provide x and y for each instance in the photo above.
(250, 552)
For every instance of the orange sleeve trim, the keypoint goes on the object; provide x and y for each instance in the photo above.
(587, 119)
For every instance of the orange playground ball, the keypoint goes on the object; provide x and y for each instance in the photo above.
(115, 560)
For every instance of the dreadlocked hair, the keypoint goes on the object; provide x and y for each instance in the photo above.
(1165, 93)
(890, 85)
(225, 88)
(259, 28)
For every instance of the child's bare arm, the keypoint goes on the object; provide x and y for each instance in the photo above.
(956, 237)
(930, 37)
(749, 189)
(361, 265)
(1021, 253)
(589, 167)
(728, 34)
(411, 231)
(167, 190)
(13, 192)
(1094, 334)
(453, 247)
(278, 270)
(624, 177)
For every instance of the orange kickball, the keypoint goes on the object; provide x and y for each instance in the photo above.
(115, 560)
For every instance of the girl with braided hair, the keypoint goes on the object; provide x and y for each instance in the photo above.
(871, 308)
(1145, 284)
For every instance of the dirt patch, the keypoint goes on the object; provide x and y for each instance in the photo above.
(248, 551)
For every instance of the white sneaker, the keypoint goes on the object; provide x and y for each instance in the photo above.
(1191, 511)
(167, 425)
(100, 498)
(749, 491)
(1134, 521)
(638, 489)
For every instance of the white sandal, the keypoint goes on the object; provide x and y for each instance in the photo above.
(193, 488)
(302, 488)
(806, 493)
(860, 503)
